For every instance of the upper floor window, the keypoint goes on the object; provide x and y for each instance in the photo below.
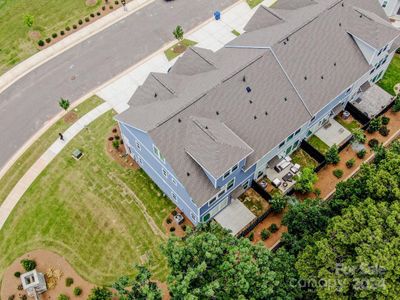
(211, 202)
(290, 137)
(281, 144)
(221, 193)
(297, 131)
(165, 173)
(227, 174)
(138, 145)
(234, 168)
(230, 184)
(157, 153)
(174, 180)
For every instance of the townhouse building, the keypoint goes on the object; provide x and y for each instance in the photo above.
(210, 126)
(391, 7)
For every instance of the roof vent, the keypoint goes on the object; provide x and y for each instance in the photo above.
(285, 99)
(340, 24)
(360, 16)
(217, 112)
(248, 89)
(188, 174)
(284, 43)
(334, 64)
(305, 77)
(266, 113)
(255, 117)
(322, 77)
(179, 120)
(155, 95)
(244, 78)
(250, 101)
(206, 127)
(342, 4)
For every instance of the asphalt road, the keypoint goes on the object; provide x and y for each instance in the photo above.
(33, 100)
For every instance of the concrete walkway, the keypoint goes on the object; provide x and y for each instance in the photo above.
(212, 35)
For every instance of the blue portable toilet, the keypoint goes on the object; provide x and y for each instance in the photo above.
(217, 15)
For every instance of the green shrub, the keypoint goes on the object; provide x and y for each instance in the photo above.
(375, 125)
(116, 2)
(350, 163)
(80, 22)
(23, 297)
(384, 131)
(373, 143)
(111, 7)
(265, 234)
(67, 28)
(98, 13)
(338, 173)
(77, 291)
(62, 297)
(12, 297)
(361, 154)
(169, 221)
(332, 155)
(251, 236)
(48, 40)
(103, 8)
(273, 228)
(40, 43)
(62, 32)
(74, 26)
(69, 281)
(54, 35)
(396, 105)
(28, 264)
(317, 192)
(92, 15)
(278, 202)
(87, 19)
(17, 274)
(358, 135)
(385, 120)
(172, 229)
(116, 144)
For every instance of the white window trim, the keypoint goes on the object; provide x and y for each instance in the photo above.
(164, 172)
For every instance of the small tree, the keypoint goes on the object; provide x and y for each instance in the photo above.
(100, 293)
(332, 155)
(62, 297)
(396, 105)
(116, 144)
(178, 33)
(375, 125)
(278, 202)
(305, 181)
(265, 234)
(359, 135)
(64, 103)
(77, 291)
(28, 20)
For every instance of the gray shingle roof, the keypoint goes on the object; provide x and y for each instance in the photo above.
(304, 64)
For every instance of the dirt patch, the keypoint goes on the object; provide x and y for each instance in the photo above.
(179, 48)
(120, 154)
(34, 35)
(45, 260)
(70, 117)
(254, 202)
(91, 2)
(169, 223)
(273, 218)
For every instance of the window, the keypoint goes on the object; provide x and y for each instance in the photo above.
(140, 161)
(281, 144)
(380, 51)
(288, 150)
(192, 215)
(384, 4)
(206, 217)
(174, 180)
(296, 144)
(234, 168)
(348, 90)
(211, 202)
(173, 196)
(313, 118)
(245, 185)
(221, 193)
(165, 173)
(259, 174)
(290, 137)
(372, 71)
(138, 145)
(230, 184)
(156, 151)
(227, 174)
(297, 132)
(309, 133)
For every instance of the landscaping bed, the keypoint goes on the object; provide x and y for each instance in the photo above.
(253, 3)
(171, 227)
(178, 48)
(50, 263)
(350, 123)
(28, 158)
(318, 144)
(93, 212)
(254, 202)
(303, 159)
(392, 76)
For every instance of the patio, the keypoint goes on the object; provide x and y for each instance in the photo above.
(332, 133)
(235, 217)
(373, 101)
(281, 173)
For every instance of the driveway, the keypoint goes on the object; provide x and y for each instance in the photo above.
(33, 100)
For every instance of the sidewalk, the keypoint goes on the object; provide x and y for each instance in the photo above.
(44, 55)
(211, 35)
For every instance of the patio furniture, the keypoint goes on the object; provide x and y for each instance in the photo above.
(295, 169)
(288, 177)
(276, 182)
(263, 184)
(282, 165)
(179, 218)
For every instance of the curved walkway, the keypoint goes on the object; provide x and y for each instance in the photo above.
(212, 35)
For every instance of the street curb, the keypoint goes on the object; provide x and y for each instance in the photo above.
(58, 116)
(36, 60)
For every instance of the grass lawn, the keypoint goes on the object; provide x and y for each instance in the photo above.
(84, 211)
(49, 16)
(318, 144)
(21, 166)
(350, 125)
(303, 159)
(235, 32)
(392, 76)
(254, 3)
(171, 54)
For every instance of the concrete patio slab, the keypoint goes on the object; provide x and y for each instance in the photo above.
(333, 134)
(235, 216)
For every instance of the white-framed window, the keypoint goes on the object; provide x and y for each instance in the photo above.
(227, 174)
(245, 185)
(174, 180)
(230, 184)
(193, 216)
(138, 145)
(173, 196)
(221, 193)
(140, 160)
(165, 173)
(234, 168)
(158, 154)
(212, 201)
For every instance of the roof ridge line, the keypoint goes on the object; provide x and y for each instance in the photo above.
(291, 82)
(272, 12)
(201, 56)
(197, 123)
(162, 83)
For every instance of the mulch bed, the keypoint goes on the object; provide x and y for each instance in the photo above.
(119, 155)
(179, 229)
(70, 117)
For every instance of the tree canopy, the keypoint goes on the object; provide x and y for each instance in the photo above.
(359, 255)
(211, 263)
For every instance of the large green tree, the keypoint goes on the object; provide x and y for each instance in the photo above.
(210, 263)
(141, 287)
(359, 256)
